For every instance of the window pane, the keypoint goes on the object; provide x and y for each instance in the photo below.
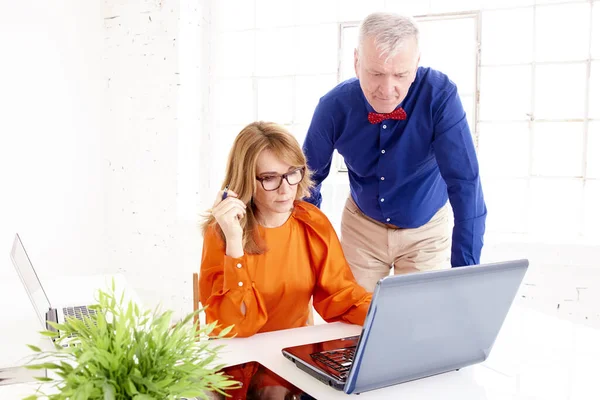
(275, 97)
(440, 6)
(243, 92)
(274, 55)
(450, 46)
(555, 207)
(560, 91)
(315, 49)
(349, 42)
(408, 7)
(221, 145)
(506, 200)
(309, 89)
(500, 45)
(555, 1)
(505, 93)
(594, 107)
(272, 13)
(468, 103)
(356, 10)
(242, 19)
(308, 12)
(299, 132)
(504, 149)
(596, 31)
(567, 42)
(591, 220)
(593, 150)
(558, 148)
(233, 47)
(505, 3)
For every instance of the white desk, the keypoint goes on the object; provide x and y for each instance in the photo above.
(21, 326)
(536, 356)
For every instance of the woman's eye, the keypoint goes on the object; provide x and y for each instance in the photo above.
(269, 178)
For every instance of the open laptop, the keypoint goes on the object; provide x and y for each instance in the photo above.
(418, 325)
(45, 310)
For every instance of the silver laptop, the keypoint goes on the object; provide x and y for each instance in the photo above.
(418, 325)
(45, 310)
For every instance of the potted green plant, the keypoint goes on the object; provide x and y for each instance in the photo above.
(123, 353)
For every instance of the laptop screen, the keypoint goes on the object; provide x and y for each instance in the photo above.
(30, 279)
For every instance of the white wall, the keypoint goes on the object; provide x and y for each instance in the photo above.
(155, 149)
(51, 135)
(100, 167)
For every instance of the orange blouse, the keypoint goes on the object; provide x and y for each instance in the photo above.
(304, 258)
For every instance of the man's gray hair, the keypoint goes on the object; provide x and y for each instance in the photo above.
(390, 31)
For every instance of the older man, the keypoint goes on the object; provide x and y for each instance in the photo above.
(405, 139)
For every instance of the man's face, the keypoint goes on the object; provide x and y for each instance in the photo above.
(385, 81)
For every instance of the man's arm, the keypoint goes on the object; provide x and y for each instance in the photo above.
(318, 149)
(457, 160)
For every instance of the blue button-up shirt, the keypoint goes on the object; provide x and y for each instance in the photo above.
(403, 171)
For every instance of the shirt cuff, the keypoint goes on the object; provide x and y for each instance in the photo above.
(235, 273)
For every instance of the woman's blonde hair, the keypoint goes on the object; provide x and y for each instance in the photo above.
(240, 176)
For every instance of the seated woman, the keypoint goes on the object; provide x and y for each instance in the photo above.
(266, 252)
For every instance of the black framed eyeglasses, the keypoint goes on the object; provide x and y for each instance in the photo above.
(273, 182)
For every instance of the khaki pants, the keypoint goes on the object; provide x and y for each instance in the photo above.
(373, 248)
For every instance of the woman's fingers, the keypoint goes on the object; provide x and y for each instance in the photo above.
(230, 208)
(228, 204)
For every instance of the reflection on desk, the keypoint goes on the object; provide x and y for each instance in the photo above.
(259, 382)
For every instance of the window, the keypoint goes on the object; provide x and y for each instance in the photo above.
(538, 115)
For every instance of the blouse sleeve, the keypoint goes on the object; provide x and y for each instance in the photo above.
(337, 295)
(227, 291)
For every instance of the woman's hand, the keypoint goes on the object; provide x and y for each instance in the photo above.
(228, 211)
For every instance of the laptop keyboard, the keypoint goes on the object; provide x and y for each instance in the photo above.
(339, 360)
(78, 312)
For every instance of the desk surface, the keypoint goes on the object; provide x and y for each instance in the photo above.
(536, 356)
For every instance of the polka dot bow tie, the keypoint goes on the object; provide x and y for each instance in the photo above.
(376, 118)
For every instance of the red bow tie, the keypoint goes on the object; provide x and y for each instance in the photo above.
(376, 118)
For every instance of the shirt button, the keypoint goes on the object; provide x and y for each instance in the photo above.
(382, 199)
(240, 284)
(239, 265)
(387, 220)
(383, 178)
(384, 126)
(382, 151)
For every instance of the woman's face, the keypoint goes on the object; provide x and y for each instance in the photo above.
(282, 199)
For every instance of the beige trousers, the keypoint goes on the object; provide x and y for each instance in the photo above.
(373, 248)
